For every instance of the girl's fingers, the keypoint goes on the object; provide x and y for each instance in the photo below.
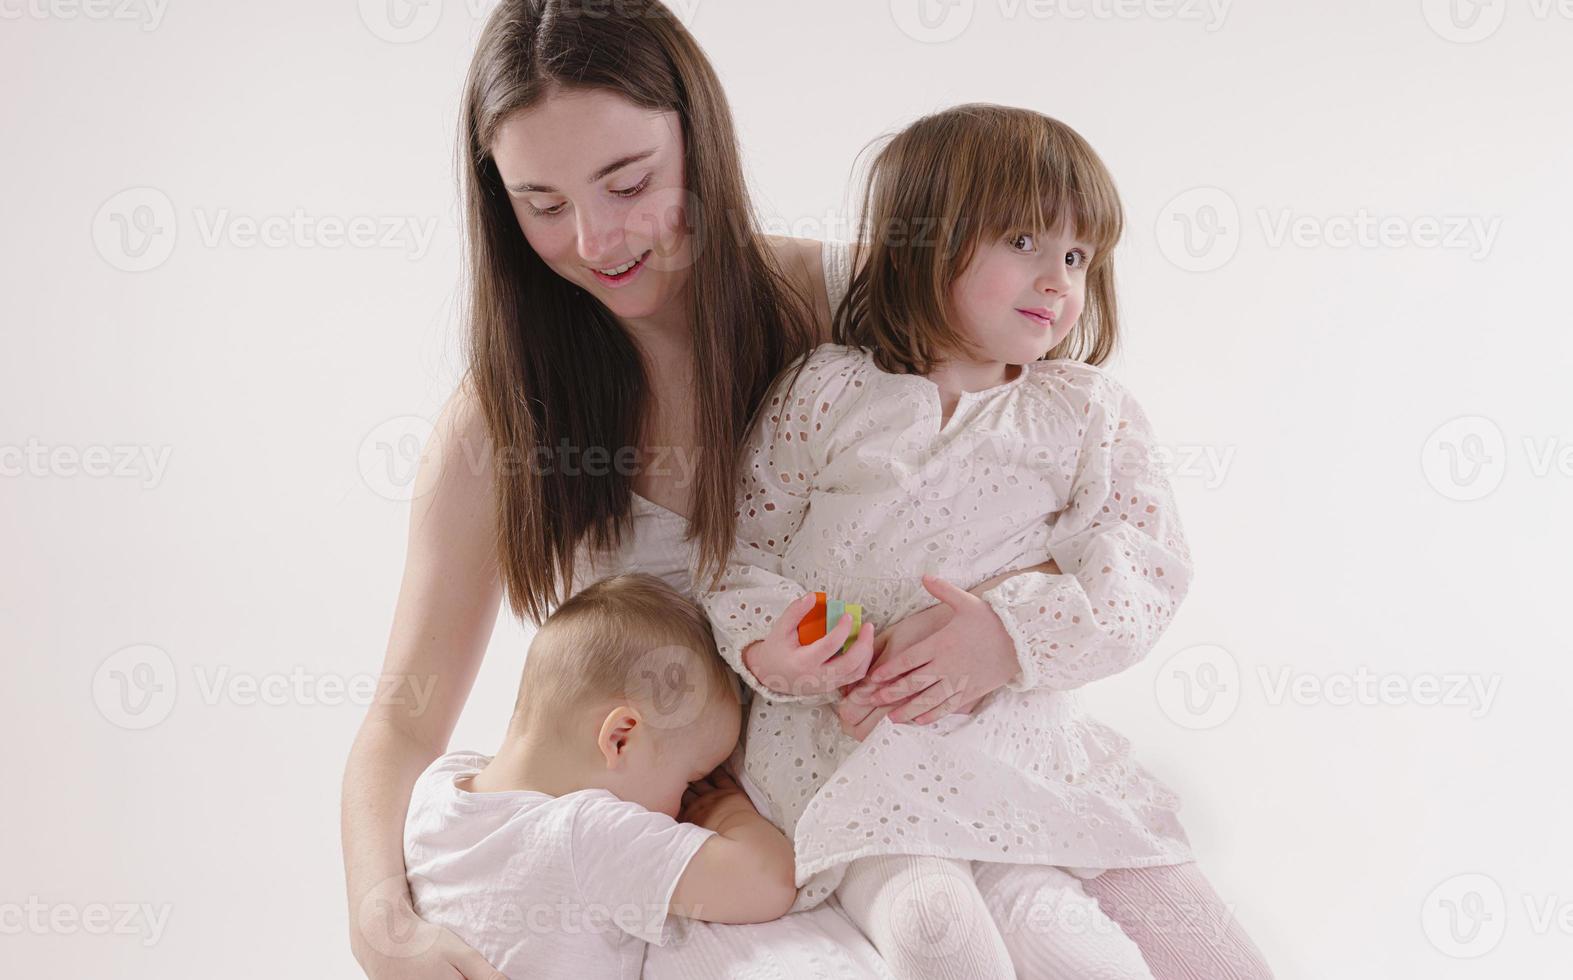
(860, 732)
(786, 623)
(902, 675)
(971, 706)
(823, 648)
(853, 665)
(901, 663)
(904, 690)
(927, 707)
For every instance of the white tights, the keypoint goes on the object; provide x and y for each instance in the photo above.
(935, 918)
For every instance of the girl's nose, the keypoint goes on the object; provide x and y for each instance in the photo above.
(1055, 279)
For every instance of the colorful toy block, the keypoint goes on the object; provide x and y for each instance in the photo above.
(823, 618)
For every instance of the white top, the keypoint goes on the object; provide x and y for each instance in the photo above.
(654, 540)
(859, 494)
(543, 886)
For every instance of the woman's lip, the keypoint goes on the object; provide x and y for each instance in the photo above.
(626, 277)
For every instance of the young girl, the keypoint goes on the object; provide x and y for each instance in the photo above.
(931, 448)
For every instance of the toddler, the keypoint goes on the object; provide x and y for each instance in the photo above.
(576, 844)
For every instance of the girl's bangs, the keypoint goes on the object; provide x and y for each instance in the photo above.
(1043, 179)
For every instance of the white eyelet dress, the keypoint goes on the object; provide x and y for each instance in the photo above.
(854, 487)
(817, 944)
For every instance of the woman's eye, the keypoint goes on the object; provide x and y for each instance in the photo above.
(555, 209)
(630, 192)
(1015, 242)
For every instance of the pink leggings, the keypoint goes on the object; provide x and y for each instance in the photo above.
(1184, 930)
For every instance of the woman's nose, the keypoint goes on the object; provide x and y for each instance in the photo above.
(600, 235)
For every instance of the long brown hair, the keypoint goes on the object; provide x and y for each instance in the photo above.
(948, 182)
(549, 364)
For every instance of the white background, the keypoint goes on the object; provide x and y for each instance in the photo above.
(259, 403)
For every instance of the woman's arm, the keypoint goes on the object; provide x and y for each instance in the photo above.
(447, 606)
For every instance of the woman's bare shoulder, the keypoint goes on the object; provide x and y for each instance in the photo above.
(802, 260)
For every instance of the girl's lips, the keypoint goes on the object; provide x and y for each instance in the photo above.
(1038, 318)
(625, 278)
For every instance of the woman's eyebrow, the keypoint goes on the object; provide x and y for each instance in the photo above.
(605, 171)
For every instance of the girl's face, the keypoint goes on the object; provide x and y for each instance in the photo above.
(1021, 294)
(597, 185)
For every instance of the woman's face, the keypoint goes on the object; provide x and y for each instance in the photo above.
(597, 186)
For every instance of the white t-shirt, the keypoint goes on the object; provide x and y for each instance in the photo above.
(544, 886)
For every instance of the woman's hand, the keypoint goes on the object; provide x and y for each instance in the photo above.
(393, 943)
(967, 657)
(787, 667)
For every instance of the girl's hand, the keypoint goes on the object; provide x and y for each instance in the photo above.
(787, 667)
(967, 658)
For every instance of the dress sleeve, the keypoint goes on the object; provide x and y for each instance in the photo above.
(783, 456)
(1124, 560)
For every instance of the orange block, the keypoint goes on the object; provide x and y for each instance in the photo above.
(812, 627)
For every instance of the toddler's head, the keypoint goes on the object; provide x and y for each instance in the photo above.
(624, 681)
(989, 232)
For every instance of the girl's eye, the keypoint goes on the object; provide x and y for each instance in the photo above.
(555, 209)
(630, 192)
(1073, 255)
(1016, 240)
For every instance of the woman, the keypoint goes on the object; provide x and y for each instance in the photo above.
(627, 318)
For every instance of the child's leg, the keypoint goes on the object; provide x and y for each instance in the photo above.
(1053, 929)
(1183, 928)
(926, 918)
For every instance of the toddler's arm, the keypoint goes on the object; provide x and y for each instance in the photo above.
(743, 874)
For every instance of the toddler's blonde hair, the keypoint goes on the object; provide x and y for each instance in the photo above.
(632, 637)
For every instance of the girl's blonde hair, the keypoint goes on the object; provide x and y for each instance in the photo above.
(943, 186)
